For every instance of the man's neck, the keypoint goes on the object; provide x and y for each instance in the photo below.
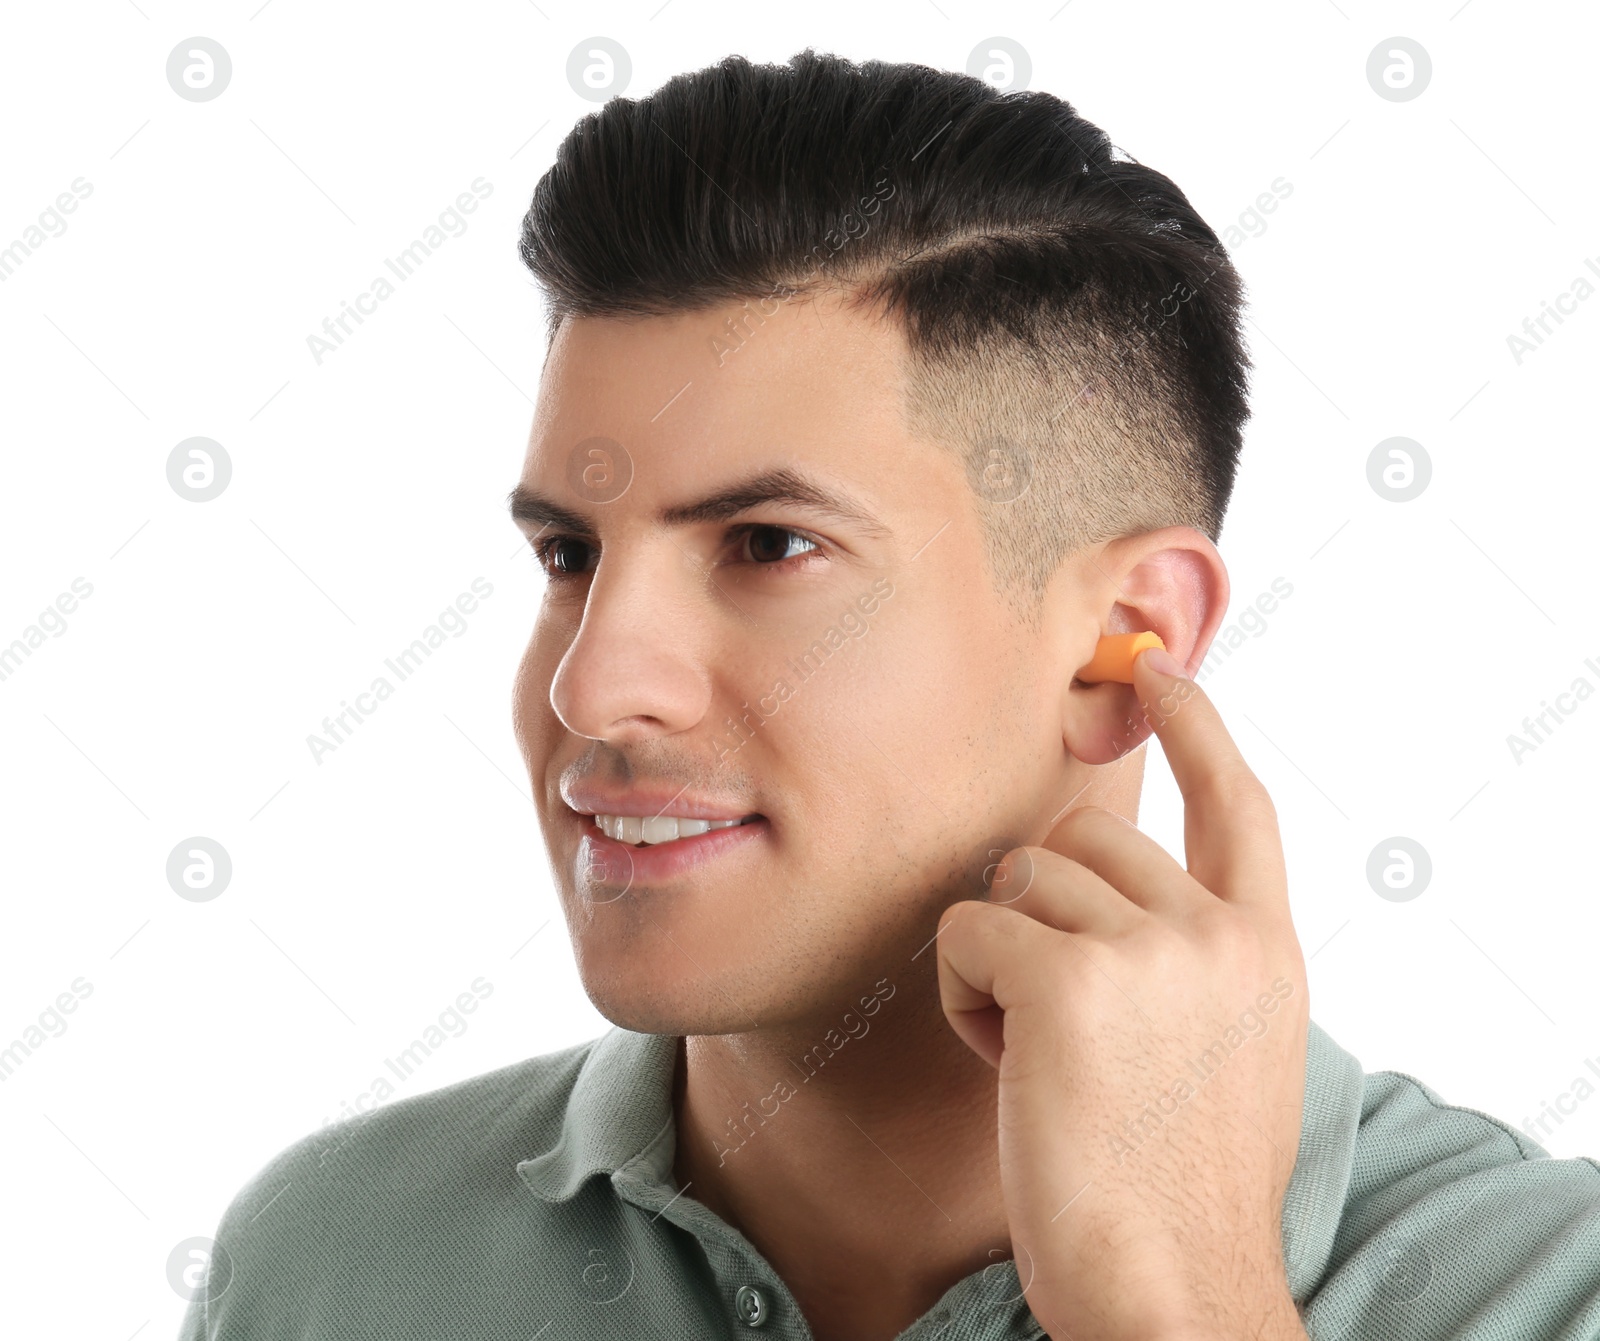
(865, 1168)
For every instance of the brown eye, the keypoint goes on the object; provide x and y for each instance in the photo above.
(773, 544)
(557, 558)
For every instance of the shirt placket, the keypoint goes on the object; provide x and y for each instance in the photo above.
(988, 1305)
(757, 1302)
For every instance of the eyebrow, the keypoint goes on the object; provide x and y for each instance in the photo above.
(782, 485)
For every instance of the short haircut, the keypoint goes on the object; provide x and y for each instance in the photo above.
(1073, 325)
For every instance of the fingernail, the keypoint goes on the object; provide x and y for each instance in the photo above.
(1162, 662)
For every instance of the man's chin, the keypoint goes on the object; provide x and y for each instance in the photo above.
(665, 1014)
(662, 991)
(664, 961)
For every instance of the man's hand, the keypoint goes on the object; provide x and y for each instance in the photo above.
(1149, 1027)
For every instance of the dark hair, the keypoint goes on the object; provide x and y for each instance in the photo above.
(1073, 324)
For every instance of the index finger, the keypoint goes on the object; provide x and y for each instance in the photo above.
(1230, 826)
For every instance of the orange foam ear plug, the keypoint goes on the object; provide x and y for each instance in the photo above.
(1114, 654)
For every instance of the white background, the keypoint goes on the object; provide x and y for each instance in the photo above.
(367, 493)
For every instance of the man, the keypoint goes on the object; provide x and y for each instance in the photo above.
(874, 400)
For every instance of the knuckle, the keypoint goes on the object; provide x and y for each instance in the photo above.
(1228, 937)
(1078, 816)
(957, 918)
(1237, 787)
(1012, 877)
(1082, 821)
(1167, 947)
(973, 919)
(953, 925)
(1068, 975)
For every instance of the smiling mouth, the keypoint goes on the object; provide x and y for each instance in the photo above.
(653, 830)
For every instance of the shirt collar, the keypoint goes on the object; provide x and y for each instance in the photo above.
(620, 1110)
(620, 1102)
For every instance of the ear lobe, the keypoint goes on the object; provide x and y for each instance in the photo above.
(1102, 722)
(1172, 581)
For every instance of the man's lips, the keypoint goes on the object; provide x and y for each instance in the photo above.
(621, 866)
(646, 799)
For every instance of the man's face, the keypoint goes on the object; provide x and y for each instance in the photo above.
(858, 684)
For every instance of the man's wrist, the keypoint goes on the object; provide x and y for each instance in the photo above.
(1280, 1321)
(1267, 1316)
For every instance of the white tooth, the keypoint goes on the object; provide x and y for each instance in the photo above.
(658, 829)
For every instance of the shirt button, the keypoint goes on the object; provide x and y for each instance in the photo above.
(751, 1306)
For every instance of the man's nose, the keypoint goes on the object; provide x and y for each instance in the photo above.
(635, 668)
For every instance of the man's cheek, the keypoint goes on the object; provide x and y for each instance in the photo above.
(533, 718)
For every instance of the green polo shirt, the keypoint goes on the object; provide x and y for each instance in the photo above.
(536, 1203)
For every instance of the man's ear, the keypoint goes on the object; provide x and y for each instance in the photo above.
(1171, 581)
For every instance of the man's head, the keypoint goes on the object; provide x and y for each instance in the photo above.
(873, 398)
